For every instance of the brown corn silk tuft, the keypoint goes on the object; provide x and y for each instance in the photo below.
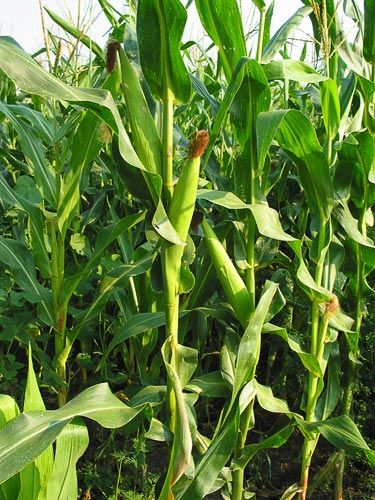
(332, 305)
(105, 134)
(111, 56)
(198, 144)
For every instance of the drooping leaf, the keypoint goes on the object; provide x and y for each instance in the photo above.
(77, 33)
(287, 69)
(29, 434)
(279, 39)
(266, 218)
(274, 441)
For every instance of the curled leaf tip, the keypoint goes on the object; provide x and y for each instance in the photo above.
(198, 144)
(111, 55)
(332, 305)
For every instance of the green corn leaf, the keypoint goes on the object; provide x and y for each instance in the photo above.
(266, 218)
(282, 35)
(306, 281)
(76, 33)
(110, 283)
(137, 324)
(296, 135)
(350, 54)
(330, 101)
(308, 360)
(30, 434)
(19, 258)
(35, 476)
(369, 31)
(222, 21)
(32, 148)
(145, 135)
(109, 11)
(331, 395)
(187, 363)
(274, 441)
(182, 442)
(87, 143)
(211, 385)
(32, 78)
(105, 237)
(212, 462)
(344, 434)
(267, 22)
(260, 4)
(35, 118)
(36, 222)
(287, 69)
(230, 93)
(268, 401)
(70, 446)
(160, 25)
(8, 411)
(253, 97)
(249, 348)
(159, 432)
(350, 224)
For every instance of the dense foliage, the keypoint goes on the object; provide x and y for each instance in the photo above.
(190, 229)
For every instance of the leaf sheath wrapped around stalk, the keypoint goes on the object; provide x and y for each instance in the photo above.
(232, 283)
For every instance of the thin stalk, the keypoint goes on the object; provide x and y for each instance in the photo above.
(238, 475)
(317, 341)
(171, 313)
(349, 389)
(329, 151)
(247, 416)
(262, 23)
(250, 272)
(59, 308)
(167, 147)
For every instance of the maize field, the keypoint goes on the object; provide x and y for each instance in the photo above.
(187, 255)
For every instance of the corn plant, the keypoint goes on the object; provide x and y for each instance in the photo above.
(199, 224)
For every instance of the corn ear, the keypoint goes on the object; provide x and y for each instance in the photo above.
(232, 283)
(185, 192)
(182, 205)
(180, 213)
